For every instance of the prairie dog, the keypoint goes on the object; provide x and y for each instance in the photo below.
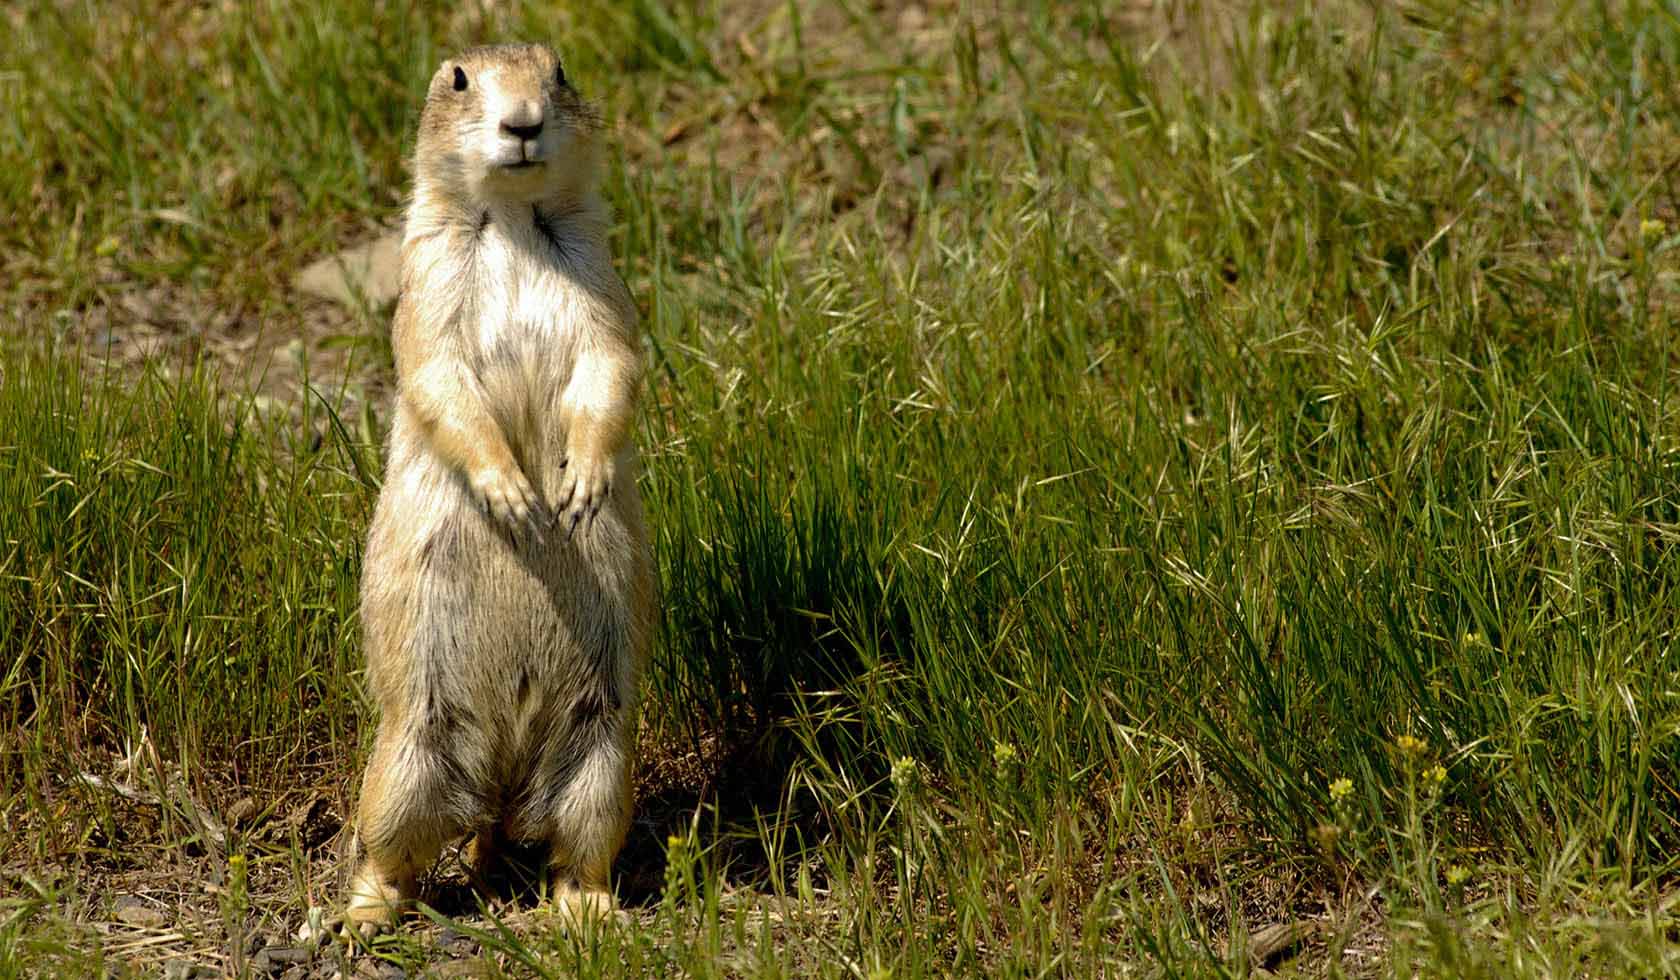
(507, 592)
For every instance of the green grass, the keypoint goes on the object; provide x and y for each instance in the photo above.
(1076, 438)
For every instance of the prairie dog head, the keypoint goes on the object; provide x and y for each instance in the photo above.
(503, 124)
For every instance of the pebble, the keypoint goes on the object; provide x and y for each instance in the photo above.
(276, 958)
(177, 968)
(137, 912)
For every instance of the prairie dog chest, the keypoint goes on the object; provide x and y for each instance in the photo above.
(526, 291)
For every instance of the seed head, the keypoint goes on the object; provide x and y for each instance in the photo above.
(903, 772)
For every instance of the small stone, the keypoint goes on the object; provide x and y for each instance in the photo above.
(243, 811)
(368, 968)
(133, 911)
(290, 954)
(273, 959)
(367, 272)
(177, 968)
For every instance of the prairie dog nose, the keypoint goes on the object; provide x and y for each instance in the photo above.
(523, 132)
(524, 121)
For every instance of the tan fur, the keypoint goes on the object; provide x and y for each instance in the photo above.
(507, 596)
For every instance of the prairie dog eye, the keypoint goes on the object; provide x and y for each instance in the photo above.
(460, 79)
(560, 75)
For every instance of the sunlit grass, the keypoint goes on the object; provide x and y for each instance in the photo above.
(1110, 496)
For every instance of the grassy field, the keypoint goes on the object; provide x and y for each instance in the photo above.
(1175, 489)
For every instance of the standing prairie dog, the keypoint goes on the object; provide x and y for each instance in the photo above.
(507, 595)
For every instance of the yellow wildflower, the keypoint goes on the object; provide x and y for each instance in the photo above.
(1411, 745)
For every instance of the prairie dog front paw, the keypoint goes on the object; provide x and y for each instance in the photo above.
(583, 490)
(508, 497)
